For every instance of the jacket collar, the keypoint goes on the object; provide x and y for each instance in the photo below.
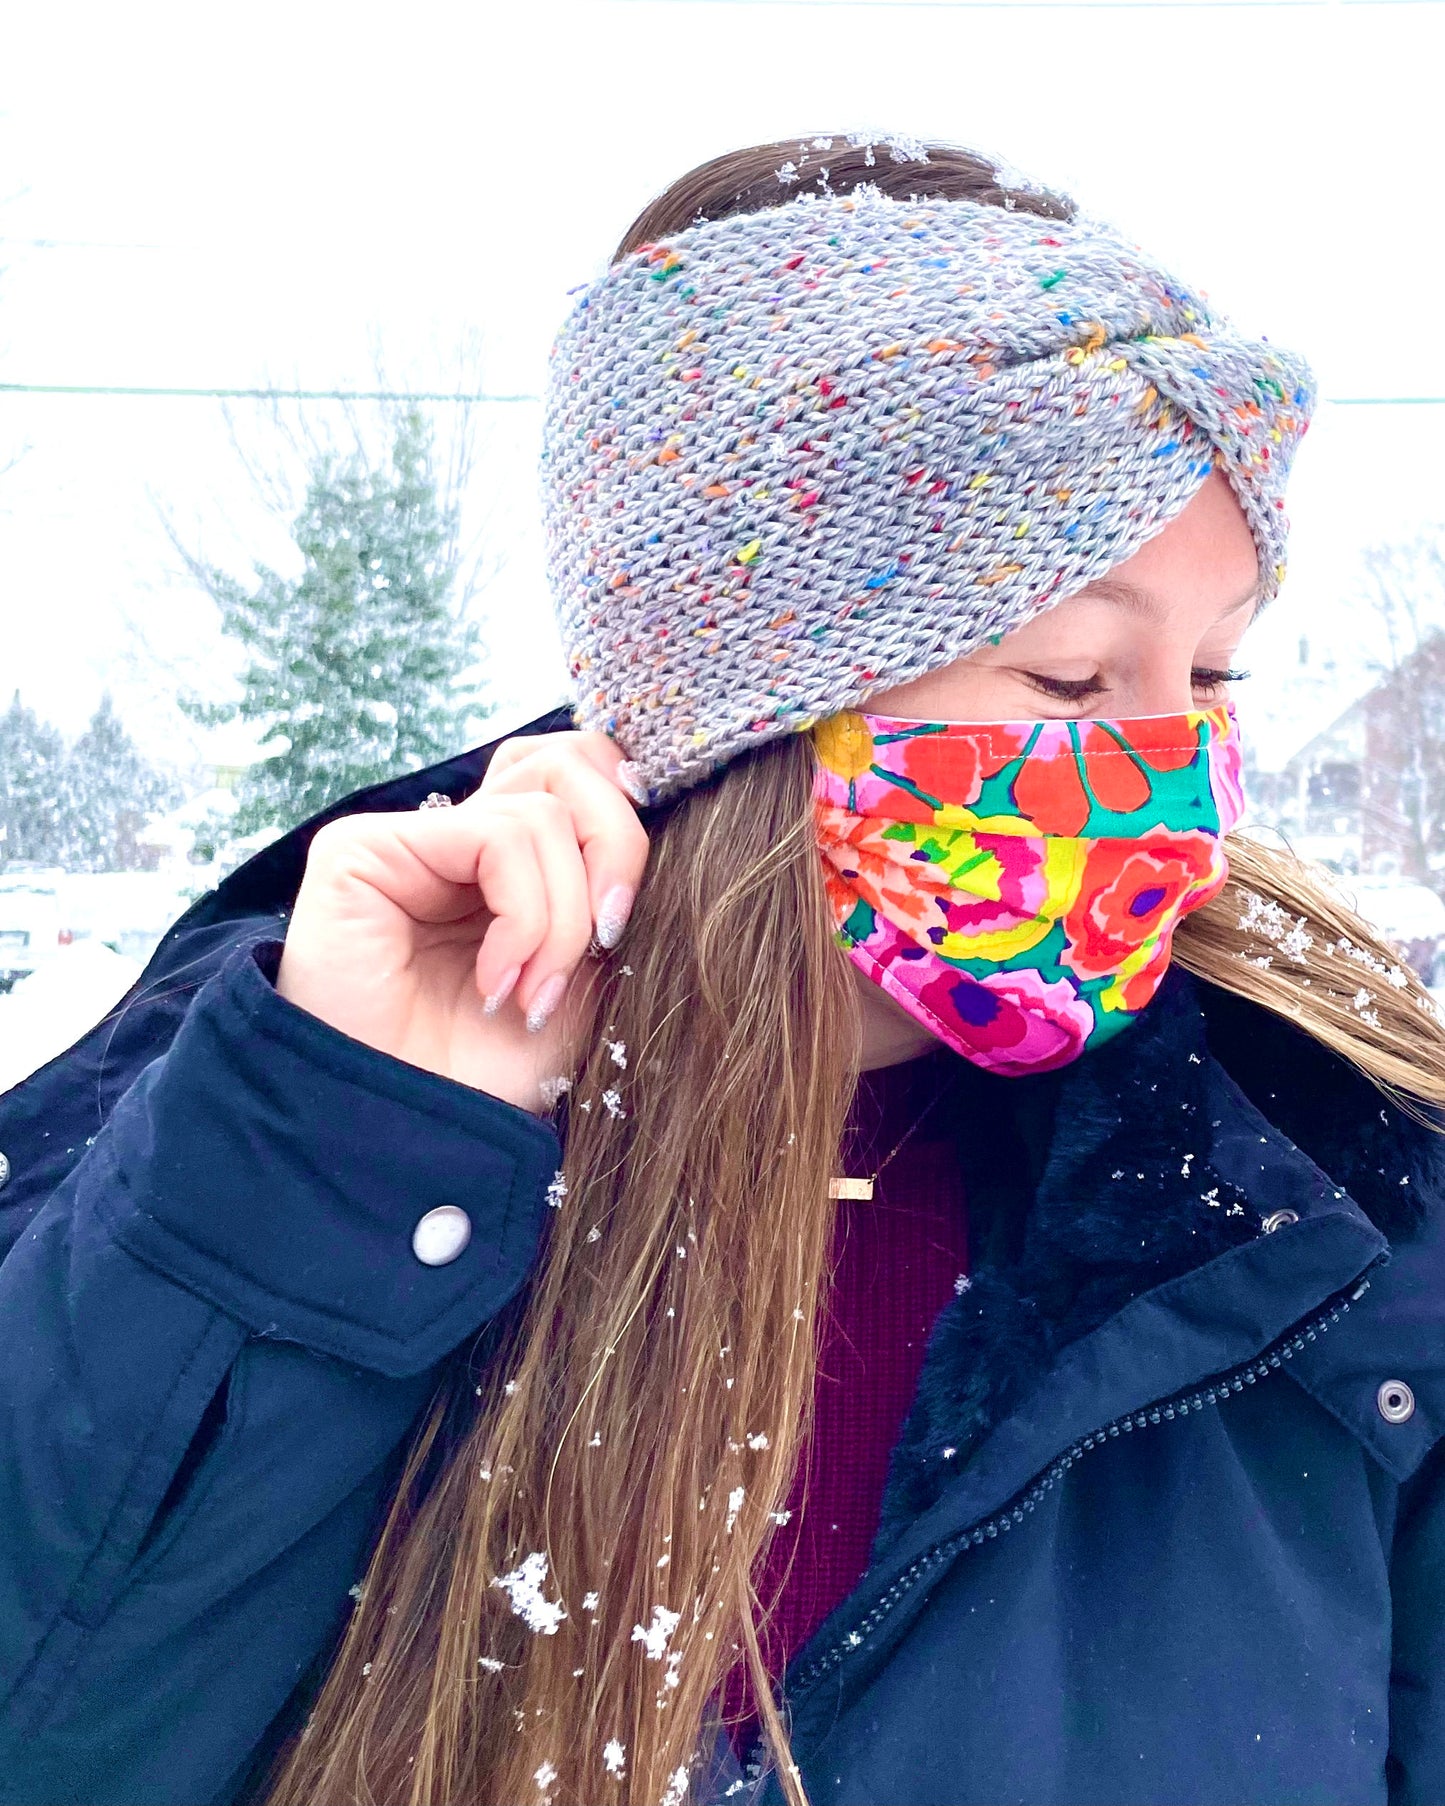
(1127, 1277)
(1156, 1178)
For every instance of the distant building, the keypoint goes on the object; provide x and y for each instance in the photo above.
(1341, 792)
(230, 750)
(194, 835)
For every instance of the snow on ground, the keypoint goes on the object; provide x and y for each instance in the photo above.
(58, 1003)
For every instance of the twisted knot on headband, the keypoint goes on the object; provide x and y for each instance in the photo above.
(795, 457)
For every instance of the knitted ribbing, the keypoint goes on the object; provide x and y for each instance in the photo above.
(795, 457)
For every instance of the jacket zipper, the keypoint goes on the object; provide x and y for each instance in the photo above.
(1178, 1404)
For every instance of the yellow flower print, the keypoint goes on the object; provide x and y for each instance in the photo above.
(1035, 896)
(844, 744)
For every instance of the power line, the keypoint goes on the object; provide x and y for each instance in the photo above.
(1385, 401)
(1337, 401)
(257, 394)
(79, 244)
(1040, 6)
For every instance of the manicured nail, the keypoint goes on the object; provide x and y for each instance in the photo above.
(546, 1001)
(497, 998)
(612, 916)
(630, 779)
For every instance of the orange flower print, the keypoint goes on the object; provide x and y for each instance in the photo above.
(1159, 743)
(1132, 890)
(1050, 789)
(864, 862)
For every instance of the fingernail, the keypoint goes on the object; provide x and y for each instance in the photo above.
(612, 915)
(630, 779)
(546, 1001)
(503, 991)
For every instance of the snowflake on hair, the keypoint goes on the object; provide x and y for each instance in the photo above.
(655, 1636)
(523, 1587)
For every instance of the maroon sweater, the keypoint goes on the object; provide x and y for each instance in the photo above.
(899, 1257)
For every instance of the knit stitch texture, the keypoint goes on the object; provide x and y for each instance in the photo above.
(795, 457)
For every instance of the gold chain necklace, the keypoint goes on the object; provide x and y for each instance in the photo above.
(863, 1188)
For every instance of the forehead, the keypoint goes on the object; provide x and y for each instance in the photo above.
(1155, 606)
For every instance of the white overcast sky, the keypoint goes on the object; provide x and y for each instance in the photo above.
(228, 195)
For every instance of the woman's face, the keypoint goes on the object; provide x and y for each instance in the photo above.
(1152, 637)
(1156, 634)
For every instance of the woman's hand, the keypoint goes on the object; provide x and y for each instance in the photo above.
(450, 937)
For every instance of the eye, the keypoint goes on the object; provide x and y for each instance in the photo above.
(1066, 689)
(1214, 682)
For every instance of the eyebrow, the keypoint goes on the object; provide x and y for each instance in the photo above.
(1149, 605)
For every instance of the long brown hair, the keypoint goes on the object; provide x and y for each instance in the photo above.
(615, 1449)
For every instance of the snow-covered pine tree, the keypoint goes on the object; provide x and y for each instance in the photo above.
(111, 789)
(32, 787)
(355, 667)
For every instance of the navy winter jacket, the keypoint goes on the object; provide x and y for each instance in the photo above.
(1166, 1524)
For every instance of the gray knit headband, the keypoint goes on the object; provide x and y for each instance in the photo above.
(795, 457)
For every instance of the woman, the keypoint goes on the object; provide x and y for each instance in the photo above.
(903, 537)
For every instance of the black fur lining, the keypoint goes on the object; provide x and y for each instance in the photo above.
(1366, 1143)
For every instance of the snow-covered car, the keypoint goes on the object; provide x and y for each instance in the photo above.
(34, 922)
(1408, 913)
(128, 911)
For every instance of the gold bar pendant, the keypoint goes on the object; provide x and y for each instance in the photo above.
(850, 1188)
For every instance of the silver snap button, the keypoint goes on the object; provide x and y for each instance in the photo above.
(1279, 1219)
(441, 1235)
(4, 1169)
(1396, 1402)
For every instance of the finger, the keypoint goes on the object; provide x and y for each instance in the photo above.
(425, 864)
(599, 750)
(513, 885)
(547, 944)
(605, 824)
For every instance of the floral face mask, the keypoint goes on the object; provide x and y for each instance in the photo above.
(1015, 885)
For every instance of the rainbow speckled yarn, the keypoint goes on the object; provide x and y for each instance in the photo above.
(798, 456)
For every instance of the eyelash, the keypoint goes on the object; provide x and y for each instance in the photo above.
(1064, 691)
